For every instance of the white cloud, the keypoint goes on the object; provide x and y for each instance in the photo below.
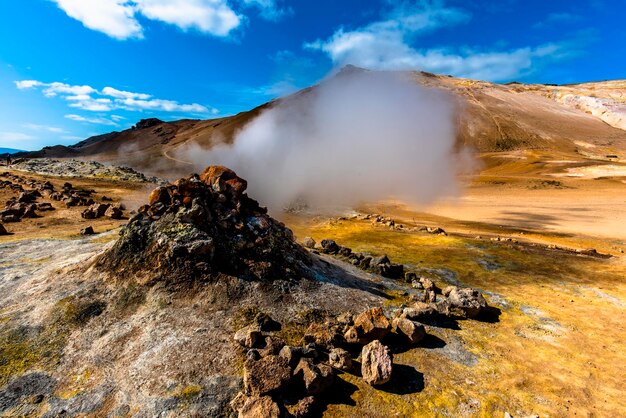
(208, 16)
(120, 94)
(118, 18)
(46, 128)
(388, 44)
(27, 84)
(15, 136)
(88, 98)
(97, 121)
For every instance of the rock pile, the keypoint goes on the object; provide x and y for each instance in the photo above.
(79, 168)
(205, 225)
(378, 265)
(98, 210)
(285, 380)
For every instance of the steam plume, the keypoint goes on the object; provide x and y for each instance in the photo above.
(359, 136)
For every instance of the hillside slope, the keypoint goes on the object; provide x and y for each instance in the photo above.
(573, 122)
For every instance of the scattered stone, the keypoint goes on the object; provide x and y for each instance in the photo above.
(329, 246)
(467, 302)
(340, 359)
(114, 212)
(249, 337)
(309, 242)
(376, 363)
(412, 331)
(268, 375)
(259, 407)
(87, 231)
(419, 312)
(371, 325)
(316, 377)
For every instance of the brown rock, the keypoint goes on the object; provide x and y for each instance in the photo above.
(320, 334)
(419, 311)
(309, 242)
(372, 325)
(316, 377)
(412, 331)
(259, 407)
(376, 363)
(268, 375)
(469, 301)
(249, 337)
(340, 359)
(114, 212)
(160, 194)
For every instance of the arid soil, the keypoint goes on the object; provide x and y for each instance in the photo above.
(556, 349)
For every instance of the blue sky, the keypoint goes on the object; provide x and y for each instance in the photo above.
(70, 69)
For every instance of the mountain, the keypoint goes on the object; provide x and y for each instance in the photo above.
(10, 151)
(559, 122)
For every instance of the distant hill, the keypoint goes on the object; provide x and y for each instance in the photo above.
(576, 120)
(10, 151)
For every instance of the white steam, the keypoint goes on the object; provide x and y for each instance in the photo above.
(358, 137)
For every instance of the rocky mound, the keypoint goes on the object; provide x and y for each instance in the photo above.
(205, 225)
(76, 168)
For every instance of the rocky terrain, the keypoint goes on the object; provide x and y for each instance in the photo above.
(78, 168)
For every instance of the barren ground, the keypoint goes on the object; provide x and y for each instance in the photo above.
(557, 350)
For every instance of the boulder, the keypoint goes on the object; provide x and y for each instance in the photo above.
(249, 337)
(259, 407)
(383, 259)
(293, 354)
(376, 363)
(372, 325)
(309, 242)
(469, 302)
(413, 332)
(419, 312)
(321, 335)
(329, 246)
(340, 359)
(44, 207)
(87, 231)
(114, 212)
(268, 375)
(316, 377)
(160, 194)
(447, 290)
(3, 230)
(409, 277)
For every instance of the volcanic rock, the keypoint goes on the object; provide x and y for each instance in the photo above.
(329, 246)
(268, 375)
(340, 359)
(249, 337)
(316, 377)
(114, 212)
(412, 331)
(259, 407)
(376, 363)
(202, 226)
(87, 231)
(309, 242)
(371, 325)
(468, 302)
